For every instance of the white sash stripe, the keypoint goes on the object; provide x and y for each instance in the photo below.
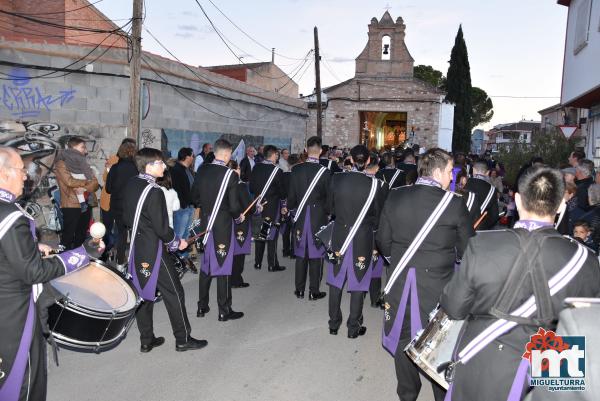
(470, 201)
(488, 198)
(138, 212)
(267, 185)
(396, 174)
(219, 200)
(361, 217)
(418, 240)
(8, 222)
(311, 187)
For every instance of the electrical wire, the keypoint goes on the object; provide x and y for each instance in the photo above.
(328, 68)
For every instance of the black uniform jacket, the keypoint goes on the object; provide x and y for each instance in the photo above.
(472, 204)
(404, 214)
(482, 189)
(333, 166)
(386, 175)
(474, 289)
(245, 169)
(204, 195)
(275, 193)
(347, 195)
(21, 266)
(153, 230)
(116, 181)
(244, 200)
(301, 177)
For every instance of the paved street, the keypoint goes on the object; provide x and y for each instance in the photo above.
(281, 350)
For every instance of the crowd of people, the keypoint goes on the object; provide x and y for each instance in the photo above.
(425, 221)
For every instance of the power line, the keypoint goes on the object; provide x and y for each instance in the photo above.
(328, 67)
(248, 35)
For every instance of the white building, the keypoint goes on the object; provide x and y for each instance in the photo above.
(581, 77)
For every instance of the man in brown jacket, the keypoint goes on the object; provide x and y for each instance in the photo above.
(77, 184)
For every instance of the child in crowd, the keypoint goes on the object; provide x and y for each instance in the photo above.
(583, 233)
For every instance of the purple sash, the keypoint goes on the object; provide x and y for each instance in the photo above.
(148, 292)
(390, 341)
(210, 263)
(11, 389)
(347, 271)
(246, 247)
(307, 240)
(378, 267)
(274, 230)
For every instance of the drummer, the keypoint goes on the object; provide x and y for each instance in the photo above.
(424, 275)
(487, 267)
(22, 271)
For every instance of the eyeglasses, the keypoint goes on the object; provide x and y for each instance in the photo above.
(159, 162)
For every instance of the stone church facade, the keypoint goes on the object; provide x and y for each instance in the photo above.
(383, 105)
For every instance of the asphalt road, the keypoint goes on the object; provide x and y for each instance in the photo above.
(281, 350)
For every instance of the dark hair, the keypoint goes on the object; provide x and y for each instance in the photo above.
(205, 145)
(373, 160)
(578, 154)
(324, 150)
(294, 159)
(165, 180)
(582, 223)
(433, 159)
(314, 142)
(232, 164)
(222, 144)
(388, 159)
(542, 189)
(146, 156)
(74, 141)
(269, 151)
(411, 177)
(347, 162)
(359, 154)
(184, 152)
(129, 140)
(126, 151)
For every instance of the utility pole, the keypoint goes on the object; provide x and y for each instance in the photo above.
(318, 85)
(135, 67)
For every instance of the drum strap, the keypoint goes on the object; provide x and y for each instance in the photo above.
(394, 177)
(329, 163)
(361, 216)
(267, 185)
(311, 187)
(218, 201)
(418, 240)
(470, 201)
(488, 198)
(501, 326)
(138, 212)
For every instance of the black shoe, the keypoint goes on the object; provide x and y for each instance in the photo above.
(313, 296)
(333, 332)
(157, 342)
(202, 311)
(299, 294)
(191, 266)
(242, 285)
(276, 268)
(232, 315)
(285, 254)
(257, 266)
(361, 332)
(377, 305)
(191, 344)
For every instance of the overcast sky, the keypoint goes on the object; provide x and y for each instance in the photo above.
(515, 46)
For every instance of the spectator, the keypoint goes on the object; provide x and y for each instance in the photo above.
(116, 182)
(171, 196)
(575, 157)
(283, 161)
(106, 215)
(78, 184)
(583, 180)
(182, 179)
(593, 216)
(583, 233)
(202, 157)
(260, 157)
(247, 164)
(496, 181)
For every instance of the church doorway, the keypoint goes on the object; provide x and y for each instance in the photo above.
(382, 129)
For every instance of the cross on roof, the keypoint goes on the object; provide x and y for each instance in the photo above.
(387, 7)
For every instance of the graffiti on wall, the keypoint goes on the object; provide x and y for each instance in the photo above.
(23, 99)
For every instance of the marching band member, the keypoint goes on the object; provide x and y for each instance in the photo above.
(309, 183)
(22, 271)
(145, 211)
(421, 229)
(215, 193)
(266, 182)
(355, 202)
(470, 198)
(486, 194)
(391, 175)
(500, 273)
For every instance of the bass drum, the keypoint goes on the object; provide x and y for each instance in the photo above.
(95, 308)
(432, 348)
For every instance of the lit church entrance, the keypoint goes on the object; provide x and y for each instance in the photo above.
(382, 129)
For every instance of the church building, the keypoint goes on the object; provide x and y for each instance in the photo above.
(383, 105)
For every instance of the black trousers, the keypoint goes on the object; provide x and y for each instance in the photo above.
(75, 226)
(223, 292)
(108, 219)
(355, 319)
(174, 299)
(36, 373)
(238, 269)
(311, 266)
(409, 380)
(286, 240)
(259, 251)
(121, 244)
(375, 289)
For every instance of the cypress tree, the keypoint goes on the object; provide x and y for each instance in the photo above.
(458, 87)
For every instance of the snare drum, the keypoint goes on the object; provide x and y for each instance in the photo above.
(432, 348)
(324, 238)
(97, 308)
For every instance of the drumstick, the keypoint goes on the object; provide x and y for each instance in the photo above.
(479, 220)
